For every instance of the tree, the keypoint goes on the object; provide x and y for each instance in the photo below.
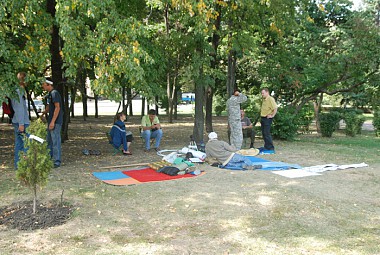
(35, 165)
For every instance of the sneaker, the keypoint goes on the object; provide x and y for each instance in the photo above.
(146, 150)
(56, 166)
(157, 149)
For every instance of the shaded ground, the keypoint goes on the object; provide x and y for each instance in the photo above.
(221, 212)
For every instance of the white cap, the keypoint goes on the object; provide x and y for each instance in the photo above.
(48, 82)
(213, 135)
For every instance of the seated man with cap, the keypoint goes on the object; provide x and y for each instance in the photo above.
(226, 154)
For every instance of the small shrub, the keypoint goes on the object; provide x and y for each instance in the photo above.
(305, 118)
(376, 122)
(285, 124)
(35, 165)
(352, 121)
(328, 123)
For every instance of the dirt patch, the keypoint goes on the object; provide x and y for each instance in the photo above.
(20, 216)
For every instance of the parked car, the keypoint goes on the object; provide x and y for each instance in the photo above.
(39, 106)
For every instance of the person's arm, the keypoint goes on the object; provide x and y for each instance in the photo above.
(55, 115)
(273, 113)
(228, 147)
(156, 123)
(248, 123)
(241, 98)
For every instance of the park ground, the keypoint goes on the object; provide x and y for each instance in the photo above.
(221, 212)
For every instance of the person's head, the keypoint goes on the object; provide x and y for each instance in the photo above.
(236, 92)
(264, 92)
(47, 85)
(213, 136)
(21, 77)
(242, 113)
(120, 116)
(152, 114)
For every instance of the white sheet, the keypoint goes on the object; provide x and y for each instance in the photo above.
(315, 170)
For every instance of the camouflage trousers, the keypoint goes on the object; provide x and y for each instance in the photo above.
(236, 138)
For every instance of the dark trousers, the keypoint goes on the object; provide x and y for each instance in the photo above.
(265, 129)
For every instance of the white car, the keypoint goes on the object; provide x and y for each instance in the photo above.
(39, 106)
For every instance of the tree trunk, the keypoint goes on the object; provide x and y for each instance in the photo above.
(209, 97)
(73, 94)
(142, 106)
(156, 105)
(56, 60)
(214, 64)
(96, 106)
(34, 198)
(199, 100)
(84, 96)
(129, 101)
(66, 116)
(231, 75)
(317, 109)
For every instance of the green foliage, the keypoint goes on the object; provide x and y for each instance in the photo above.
(305, 117)
(376, 122)
(285, 124)
(328, 122)
(35, 165)
(353, 123)
(219, 105)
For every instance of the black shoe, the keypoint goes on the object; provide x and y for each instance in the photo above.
(157, 149)
(56, 166)
(251, 146)
(147, 150)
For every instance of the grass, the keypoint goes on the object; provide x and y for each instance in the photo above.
(222, 212)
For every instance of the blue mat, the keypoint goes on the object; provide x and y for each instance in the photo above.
(267, 165)
(110, 175)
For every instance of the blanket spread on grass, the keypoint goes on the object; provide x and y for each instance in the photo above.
(316, 170)
(137, 176)
(267, 165)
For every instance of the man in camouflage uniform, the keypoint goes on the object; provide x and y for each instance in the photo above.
(234, 121)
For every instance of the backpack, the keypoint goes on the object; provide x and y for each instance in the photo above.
(7, 108)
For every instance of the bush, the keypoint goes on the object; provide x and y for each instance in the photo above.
(305, 118)
(285, 124)
(35, 165)
(328, 123)
(354, 123)
(376, 122)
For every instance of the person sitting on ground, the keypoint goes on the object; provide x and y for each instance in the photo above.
(151, 128)
(247, 129)
(226, 154)
(120, 136)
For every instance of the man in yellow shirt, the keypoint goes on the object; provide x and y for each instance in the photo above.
(151, 128)
(268, 111)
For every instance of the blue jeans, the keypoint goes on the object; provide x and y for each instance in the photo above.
(238, 160)
(265, 129)
(54, 144)
(148, 134)
(19, 143)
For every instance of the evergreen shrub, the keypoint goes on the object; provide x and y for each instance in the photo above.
(328, 122)
(35, 165)
(285, 124)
